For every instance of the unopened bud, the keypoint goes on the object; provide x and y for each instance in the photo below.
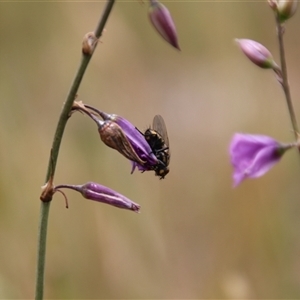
(162, 21)
(257, 53)
(47, 191)
(286, 9)
(89, 43)
(97, 192)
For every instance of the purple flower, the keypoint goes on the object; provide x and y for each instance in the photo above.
(139, 144)
(254, 155)
(119, 134)
(97, 192)
(114, 137)
(162, 21)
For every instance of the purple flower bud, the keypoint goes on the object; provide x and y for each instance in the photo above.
(119, 134)
(139, 144)
(113, 136)
(286, 9)
(254, 155)
(257, 53)
(97, 192)
(162, 21)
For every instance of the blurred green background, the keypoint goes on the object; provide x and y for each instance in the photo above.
(196, 236)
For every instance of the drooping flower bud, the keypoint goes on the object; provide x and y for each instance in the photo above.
(113, 136)
(254, 155)
(286, 9)
(257, 53)
(119, 134)
(162, 21)
(97, 192)
(137, 140)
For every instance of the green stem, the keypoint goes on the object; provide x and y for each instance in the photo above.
(45, 206)
(285, 83)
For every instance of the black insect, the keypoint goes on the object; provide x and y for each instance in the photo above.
(157, 138)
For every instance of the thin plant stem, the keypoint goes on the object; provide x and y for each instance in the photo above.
(45, 206)
(285, 83)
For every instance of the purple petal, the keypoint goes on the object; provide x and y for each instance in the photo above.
(243, 146)
(253, 155)
(100, 193)
(138, 143)
(257, 53)
(162, 21)
(262, 162)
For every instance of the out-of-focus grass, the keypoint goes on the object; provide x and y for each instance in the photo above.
(196, 237)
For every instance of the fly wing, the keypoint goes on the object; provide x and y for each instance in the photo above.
(160, 126)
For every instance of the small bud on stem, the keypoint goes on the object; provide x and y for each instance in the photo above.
(89, 43)
(286, 9)
(48, 188)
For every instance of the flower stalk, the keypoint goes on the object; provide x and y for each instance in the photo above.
(284, 76)
(45, 206)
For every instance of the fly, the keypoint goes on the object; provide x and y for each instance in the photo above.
(157, 138)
